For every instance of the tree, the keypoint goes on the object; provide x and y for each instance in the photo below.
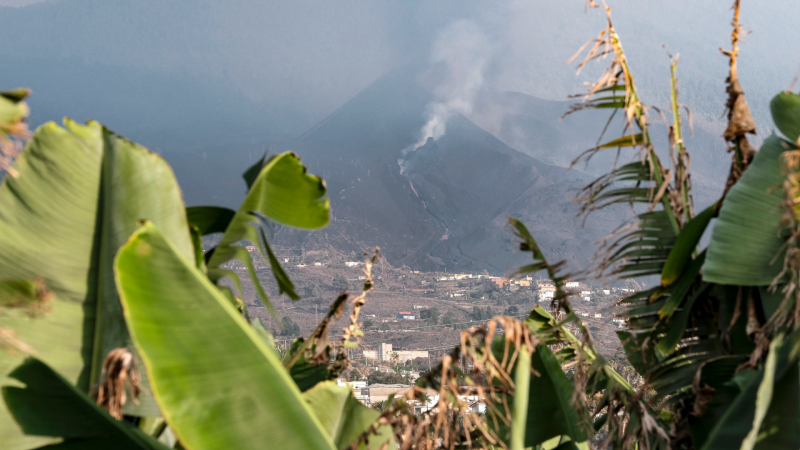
(512, 311)
(430, 315)
(355, 375)
(339, 282)
(289, 327)
(368, 324)
(377, 377)
(313, 291)
(450, 318)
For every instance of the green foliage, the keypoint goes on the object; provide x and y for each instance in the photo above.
(78, 196)
(548, 407)
(355, 376)
(279, 190)
(289, 327)
(430, 315)
(746, 245)
(785, 109)
(304, 373)
(377, 377)
(51, 406)
(451, 317)
(343, 417)
(190, 338)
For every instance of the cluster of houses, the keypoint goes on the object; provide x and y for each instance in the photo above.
(547, 290)
(319, 264)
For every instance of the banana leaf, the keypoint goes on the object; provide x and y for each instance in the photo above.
(80, 193)
(685, 245)
(49, 405)
(217, 382)
(785, 109)
(764, 415)
(280, 189)
(746, 247)
(550, 411)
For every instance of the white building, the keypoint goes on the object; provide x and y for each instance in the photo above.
(573, 284)
(352, 263)
(547, 292)
(358, 388)
(386, 353)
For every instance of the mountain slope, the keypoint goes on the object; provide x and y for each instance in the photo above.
(450, 205)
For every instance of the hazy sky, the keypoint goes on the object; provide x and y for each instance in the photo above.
(18, 2)
(313, 55)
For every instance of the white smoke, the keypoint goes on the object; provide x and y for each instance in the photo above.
(458, 60)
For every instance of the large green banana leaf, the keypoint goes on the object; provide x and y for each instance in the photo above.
(49, 405)
(746, 244)
(216, 381)
(280, 189)
(79, 194)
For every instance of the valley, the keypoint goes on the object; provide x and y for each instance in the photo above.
(458, 301)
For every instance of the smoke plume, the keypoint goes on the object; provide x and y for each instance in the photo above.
(458, 59)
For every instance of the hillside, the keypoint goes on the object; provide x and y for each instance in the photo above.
(538, 128)
(450, 206)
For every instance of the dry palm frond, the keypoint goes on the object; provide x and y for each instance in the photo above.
(645, 181)
(119, 374)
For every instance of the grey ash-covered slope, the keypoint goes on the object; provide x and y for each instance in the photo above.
(450, 205)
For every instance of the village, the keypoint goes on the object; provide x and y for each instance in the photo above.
(412, 318)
